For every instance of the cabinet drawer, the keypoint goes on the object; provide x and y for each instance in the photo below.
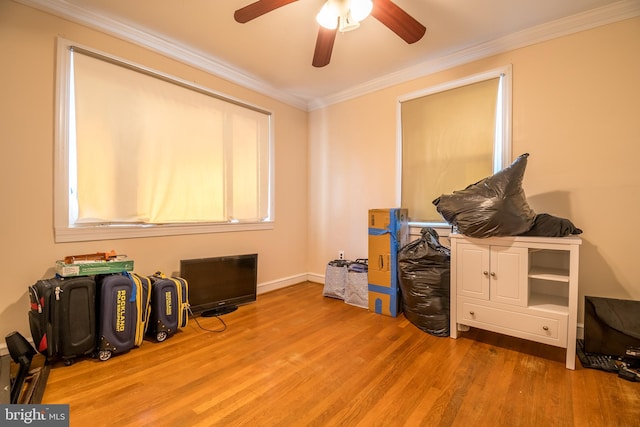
(546, 329)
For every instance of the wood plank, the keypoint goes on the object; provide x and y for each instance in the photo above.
(297, 358)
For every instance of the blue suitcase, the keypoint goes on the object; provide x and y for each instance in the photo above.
(123, 312)
(169, 305)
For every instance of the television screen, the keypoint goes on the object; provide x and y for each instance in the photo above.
(218, 285)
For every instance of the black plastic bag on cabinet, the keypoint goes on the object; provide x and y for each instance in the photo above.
(547, 225)
(424, 267)
(494, 206)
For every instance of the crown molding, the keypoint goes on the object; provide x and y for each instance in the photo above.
(624, 9)
(167, 47)
(614, 12)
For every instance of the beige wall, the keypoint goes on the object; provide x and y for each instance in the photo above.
(28, 252)
(576, 110)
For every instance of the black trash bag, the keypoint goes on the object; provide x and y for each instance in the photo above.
(424, 278)
(547, 225)
(494, 206)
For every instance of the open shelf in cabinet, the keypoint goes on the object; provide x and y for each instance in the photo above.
(545, 273)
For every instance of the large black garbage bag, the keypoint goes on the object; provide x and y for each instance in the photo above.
(494, 206)
(424, 276)
(547, 225)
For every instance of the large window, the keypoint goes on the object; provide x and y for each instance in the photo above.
(142, 153)
(451, 136)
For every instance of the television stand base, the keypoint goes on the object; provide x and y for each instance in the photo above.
(219, 311)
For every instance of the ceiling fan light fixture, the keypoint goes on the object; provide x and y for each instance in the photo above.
(360, 9)
(328, 16)
(347, 23)
(345, 14)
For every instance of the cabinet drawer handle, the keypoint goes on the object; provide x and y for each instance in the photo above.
(472, 313)
(546, 328)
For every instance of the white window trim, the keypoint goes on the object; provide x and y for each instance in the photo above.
(506, 72)
(64, 232)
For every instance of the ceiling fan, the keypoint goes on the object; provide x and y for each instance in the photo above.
(343, 15)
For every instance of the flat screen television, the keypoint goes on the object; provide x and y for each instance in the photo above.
(219, 285)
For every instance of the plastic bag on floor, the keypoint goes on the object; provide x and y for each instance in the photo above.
(424, 277)
(335, 279)
(357, 286)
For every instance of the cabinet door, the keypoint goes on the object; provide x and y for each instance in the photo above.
(508, 275)
(472, 270)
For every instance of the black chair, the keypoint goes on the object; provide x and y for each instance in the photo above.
(22, 353)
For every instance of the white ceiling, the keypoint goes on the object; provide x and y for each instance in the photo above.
(273, 53)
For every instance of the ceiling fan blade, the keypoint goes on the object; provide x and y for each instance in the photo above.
(258, 8)
(398, 21)
(324, 47)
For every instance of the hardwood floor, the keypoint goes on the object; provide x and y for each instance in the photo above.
(296, 358)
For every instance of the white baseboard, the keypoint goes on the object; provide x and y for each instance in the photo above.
(282, 283)
(315, 277)
(580, 331)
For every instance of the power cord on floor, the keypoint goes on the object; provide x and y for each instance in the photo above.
(224, 325)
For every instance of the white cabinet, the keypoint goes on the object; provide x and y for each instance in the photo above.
(525, 287)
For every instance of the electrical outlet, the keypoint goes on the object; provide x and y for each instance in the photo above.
(340, 254)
